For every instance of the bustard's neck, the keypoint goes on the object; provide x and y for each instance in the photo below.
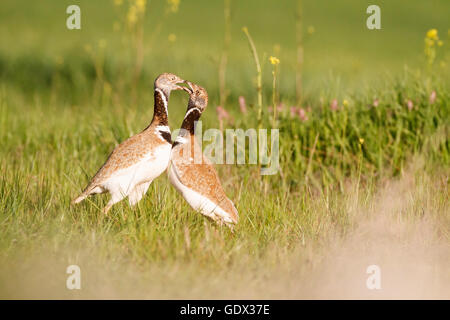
(191, 117)
(161, 113)
(187, 130)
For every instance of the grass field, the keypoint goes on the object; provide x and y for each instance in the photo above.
(361, 185)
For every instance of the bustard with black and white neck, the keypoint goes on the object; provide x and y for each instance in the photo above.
(198, 183)
(132, 166)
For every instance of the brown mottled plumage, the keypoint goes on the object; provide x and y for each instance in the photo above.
(128, 153)
(199, 183)
(132, 166)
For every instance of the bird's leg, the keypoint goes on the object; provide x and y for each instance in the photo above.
(231, 226)
(138, 192)
(115, 197)
(106, 209)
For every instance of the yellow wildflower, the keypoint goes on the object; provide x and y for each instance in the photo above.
(140, 5)
(274, 60)
(245, 29)
(173, 5)
(432, 34)
(361, 141)
(172, 37)
(132, 15)
(311, 30)
(345, 102)
(429, 42)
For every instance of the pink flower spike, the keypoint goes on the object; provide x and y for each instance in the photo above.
(302, 114)
(375, 103)
(293, 111)
(334, 105)
(222, 113)
(433, 97)
(242, 104)
(410, 105)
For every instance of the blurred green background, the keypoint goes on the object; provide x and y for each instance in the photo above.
(34, 39)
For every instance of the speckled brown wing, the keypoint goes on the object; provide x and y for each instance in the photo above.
(125, 155)
(202, 178)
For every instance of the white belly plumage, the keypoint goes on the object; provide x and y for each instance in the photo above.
(150, 167)
(197, 201)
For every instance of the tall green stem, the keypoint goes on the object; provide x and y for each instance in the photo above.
(258, 76)
(299, 69)
(224, 57)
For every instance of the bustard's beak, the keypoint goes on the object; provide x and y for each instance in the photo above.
(177, 85)
(190, 85)
(188, 90)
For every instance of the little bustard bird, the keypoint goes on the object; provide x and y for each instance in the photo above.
(198, 183)
(132, 166)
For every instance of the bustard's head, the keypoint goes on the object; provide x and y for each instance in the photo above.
(198, 97)
(168, 82)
